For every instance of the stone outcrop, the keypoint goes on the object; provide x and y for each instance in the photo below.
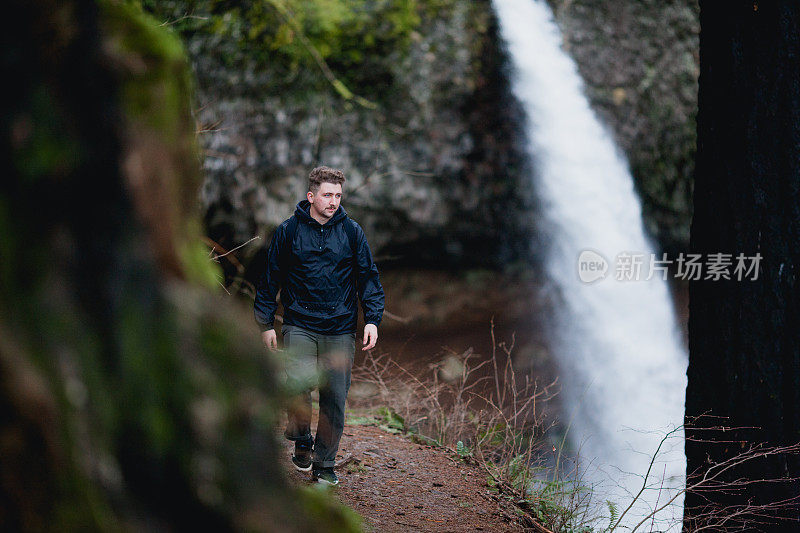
(435, 168)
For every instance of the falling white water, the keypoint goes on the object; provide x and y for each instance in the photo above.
(623, 366)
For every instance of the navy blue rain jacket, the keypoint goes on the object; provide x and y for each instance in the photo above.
(315, 274)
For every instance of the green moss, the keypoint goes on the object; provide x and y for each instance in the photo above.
(157, 79)
(45, 150)
(156, 93)
(333, 44)
(151, 376)
(318, 503)
(198, 266)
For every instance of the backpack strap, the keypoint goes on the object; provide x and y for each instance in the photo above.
(286, 251)
(350, 229)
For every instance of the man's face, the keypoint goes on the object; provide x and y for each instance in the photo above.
(326, 200)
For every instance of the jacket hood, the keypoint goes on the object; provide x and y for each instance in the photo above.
(303, 214)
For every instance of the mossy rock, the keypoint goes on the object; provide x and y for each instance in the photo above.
(133, 396)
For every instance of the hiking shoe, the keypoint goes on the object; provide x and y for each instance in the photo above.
(301, 459)
(325, 476)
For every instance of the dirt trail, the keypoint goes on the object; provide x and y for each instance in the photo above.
(398, 485)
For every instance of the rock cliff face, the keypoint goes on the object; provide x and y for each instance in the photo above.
(435, 168)
(639, 60)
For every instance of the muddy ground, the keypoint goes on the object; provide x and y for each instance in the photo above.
(398, 485)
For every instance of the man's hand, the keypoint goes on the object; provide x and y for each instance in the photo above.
(270, 338)
(370, 336)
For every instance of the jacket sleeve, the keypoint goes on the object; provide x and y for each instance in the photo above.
(268, 286)
(370, 290)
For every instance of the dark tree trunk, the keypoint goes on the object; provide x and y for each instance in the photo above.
(744, 336)
(108, 342)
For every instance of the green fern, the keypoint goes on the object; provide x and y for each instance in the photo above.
(463, 450)
(613, 514)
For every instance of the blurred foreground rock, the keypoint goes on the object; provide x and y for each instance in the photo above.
(133, 396)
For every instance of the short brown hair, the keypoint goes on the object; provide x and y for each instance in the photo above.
(321, 175)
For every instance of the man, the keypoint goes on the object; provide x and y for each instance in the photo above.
(320, 260)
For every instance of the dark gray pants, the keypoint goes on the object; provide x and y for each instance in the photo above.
(324, 360)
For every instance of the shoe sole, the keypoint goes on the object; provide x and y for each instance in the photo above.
(323, 482)
(301, 469)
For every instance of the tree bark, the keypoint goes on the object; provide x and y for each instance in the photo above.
(744, 363)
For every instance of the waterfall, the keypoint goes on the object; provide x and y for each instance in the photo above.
(622, 362)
